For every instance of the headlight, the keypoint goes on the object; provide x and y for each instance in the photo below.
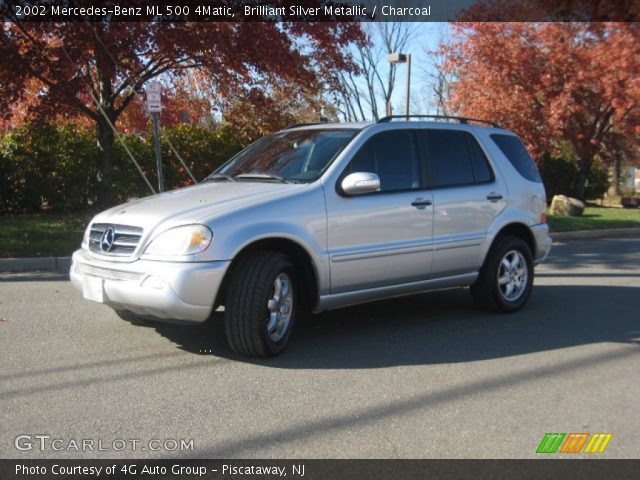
(175, 242)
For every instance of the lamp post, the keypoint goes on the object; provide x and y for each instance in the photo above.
(403, 58)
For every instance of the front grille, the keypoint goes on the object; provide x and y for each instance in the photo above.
(124, 242)
(109, 272)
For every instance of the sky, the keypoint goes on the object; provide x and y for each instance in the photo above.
(427, 36)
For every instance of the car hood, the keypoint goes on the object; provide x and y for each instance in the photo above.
(194, 204)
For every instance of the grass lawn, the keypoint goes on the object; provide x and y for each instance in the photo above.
(44, 235)
(41, 235)
(597, 218)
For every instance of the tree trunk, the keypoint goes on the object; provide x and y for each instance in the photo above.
(585, 156)
(617, 173)
(106, 115)
(580, 185)
(584, 167)
(105, 145)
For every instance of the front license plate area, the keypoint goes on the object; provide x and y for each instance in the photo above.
(93, 288)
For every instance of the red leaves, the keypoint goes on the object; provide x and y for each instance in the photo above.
(553, 83)
(113, 61)
(54, 70)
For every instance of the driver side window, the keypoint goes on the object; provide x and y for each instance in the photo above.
(393, 156)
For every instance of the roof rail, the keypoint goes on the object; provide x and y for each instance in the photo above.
(461, 120)
(296, 125)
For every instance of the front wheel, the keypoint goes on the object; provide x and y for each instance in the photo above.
(261, 304)
(506, 278)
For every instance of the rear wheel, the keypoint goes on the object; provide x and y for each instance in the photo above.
(506, 278)
(261, 304)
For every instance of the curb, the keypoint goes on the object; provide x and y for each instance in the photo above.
(35, 264)
(594, 234)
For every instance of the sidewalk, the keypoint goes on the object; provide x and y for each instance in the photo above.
(62, 264)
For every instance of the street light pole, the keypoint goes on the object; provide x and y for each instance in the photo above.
(406, 111)
(403, 58)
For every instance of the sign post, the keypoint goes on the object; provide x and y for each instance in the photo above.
(154, 106)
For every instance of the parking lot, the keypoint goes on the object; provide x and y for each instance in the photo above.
(427, 376)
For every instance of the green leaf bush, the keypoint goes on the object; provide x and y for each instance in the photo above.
(560, 177)
(54, 167)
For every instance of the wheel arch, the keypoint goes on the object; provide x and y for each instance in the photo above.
(517, 229)
(299, 255)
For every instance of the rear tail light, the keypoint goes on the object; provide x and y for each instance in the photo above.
(543, 216)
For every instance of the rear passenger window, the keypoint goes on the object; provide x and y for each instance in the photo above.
(393, 156)
(455, 159)
(516, 152)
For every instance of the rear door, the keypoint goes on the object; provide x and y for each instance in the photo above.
(382, 238)
(467, 196)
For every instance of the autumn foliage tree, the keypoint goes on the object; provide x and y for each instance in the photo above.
(180, 104)
(49, 70)
(558, 85)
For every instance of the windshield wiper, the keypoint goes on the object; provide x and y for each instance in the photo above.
(264, 176)
(219, 176)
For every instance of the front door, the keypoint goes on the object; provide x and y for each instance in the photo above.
(382, 238)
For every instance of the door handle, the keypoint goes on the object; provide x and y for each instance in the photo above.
(420, 203)
(494, 197)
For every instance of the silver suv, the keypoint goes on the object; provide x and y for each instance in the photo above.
(316, 217)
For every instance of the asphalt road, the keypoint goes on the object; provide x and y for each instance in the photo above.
(428, 376)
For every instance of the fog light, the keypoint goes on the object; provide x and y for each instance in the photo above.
(154, 282)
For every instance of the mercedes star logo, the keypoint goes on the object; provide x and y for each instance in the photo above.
(106, 242)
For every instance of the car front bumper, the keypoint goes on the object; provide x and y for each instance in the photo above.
(543, 242)
(178, 291)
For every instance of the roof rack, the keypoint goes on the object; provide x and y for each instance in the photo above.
(461, 120)
(296, 125)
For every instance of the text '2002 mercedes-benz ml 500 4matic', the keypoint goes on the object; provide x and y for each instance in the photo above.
(316, 217)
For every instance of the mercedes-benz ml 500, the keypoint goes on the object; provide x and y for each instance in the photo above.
(316, 217)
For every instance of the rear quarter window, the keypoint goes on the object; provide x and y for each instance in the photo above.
(517, 154)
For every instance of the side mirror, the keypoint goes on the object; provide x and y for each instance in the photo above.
(360, 182)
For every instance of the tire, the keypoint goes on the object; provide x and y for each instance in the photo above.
(500, 288)
(261, 304)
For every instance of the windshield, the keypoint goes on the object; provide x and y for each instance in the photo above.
(293, 156)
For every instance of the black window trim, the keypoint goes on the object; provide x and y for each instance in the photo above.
(424, 174)
(492, 174)
(427, 162)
